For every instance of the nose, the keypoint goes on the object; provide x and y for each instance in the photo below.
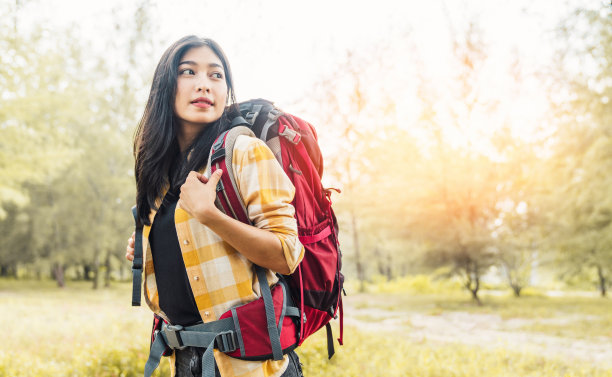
(202, 85)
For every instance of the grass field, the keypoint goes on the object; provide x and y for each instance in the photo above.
(79, 332)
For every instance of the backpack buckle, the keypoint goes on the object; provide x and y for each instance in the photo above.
(251, 116)
(173, 338)
(290, 134)
(226, 341)
(274, 114)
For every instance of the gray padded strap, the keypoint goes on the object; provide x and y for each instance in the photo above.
(277, 351)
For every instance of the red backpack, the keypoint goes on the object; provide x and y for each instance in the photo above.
(279, 321)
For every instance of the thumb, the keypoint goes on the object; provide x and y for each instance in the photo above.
(215, 177)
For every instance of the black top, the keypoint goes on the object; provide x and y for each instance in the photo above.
(175, 295)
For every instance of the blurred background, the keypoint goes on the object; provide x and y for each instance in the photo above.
(471, 142)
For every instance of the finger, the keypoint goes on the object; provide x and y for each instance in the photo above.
(202, 178)
(134, 235)
(215, 177)
(130, 242)
(129, 257)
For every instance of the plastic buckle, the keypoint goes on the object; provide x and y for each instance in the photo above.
(292, 135)
(251, 116)
(274, 114)
(226, 341)
(173, 337)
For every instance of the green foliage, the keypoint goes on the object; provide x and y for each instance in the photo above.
(66, 123)
(581, 203)
(414, 284)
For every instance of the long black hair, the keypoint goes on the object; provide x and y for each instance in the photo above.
(156, 148)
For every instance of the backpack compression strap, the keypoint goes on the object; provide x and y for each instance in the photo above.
(137, 262)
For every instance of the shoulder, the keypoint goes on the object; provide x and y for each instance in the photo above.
(248, 149)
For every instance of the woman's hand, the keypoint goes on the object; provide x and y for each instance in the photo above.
(260, 246)
(129, 250)
(198, 195)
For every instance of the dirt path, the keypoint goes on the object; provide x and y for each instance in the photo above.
(484, 330)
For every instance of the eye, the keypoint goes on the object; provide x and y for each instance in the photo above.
(186, 71)
(217, 75)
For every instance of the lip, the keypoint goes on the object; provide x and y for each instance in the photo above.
(202, 102)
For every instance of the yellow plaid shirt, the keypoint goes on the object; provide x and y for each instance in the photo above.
(220, 276)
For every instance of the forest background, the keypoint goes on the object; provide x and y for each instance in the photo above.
(471, 141)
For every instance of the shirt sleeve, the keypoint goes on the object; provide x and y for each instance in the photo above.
(267, 193)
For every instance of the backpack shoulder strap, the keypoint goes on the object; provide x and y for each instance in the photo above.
(221, 155)
(137, 262)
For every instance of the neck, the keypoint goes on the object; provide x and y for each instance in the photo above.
(187, 134)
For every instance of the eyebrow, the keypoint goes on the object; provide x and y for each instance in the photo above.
(191, 62)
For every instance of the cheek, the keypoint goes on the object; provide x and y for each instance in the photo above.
(224, 94)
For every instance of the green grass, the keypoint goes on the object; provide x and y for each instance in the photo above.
(76, 331)
(369, 355)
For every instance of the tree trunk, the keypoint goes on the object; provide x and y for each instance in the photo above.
(358, 263)
(475, 296)
(96, 269)
(474, 289)
(87, 272)
(58, 274)
(516, 289)
(472, 282)
(602, 281)
(107, 273)
(389, 264)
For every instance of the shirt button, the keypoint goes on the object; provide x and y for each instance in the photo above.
(196, 278)
(207, 314)
(186, 242)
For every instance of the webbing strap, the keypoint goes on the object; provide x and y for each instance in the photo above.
(202, 339)
(283, 311)
(292, 311)
(277, 351)
(341, 338)
(330, 341)
(238, 331)
(305, 240)
(302, 314)
(208, 361)
(177, 337)
(157, 350)
(272, 118)
(137, 262)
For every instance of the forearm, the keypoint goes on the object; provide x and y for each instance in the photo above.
(260, 246)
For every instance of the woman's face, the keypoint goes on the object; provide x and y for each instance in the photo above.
(201, 90)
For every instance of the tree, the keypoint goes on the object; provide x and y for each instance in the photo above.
(76, 128)
(582, 158)
(459, 192)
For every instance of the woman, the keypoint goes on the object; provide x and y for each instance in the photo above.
(199, 261)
